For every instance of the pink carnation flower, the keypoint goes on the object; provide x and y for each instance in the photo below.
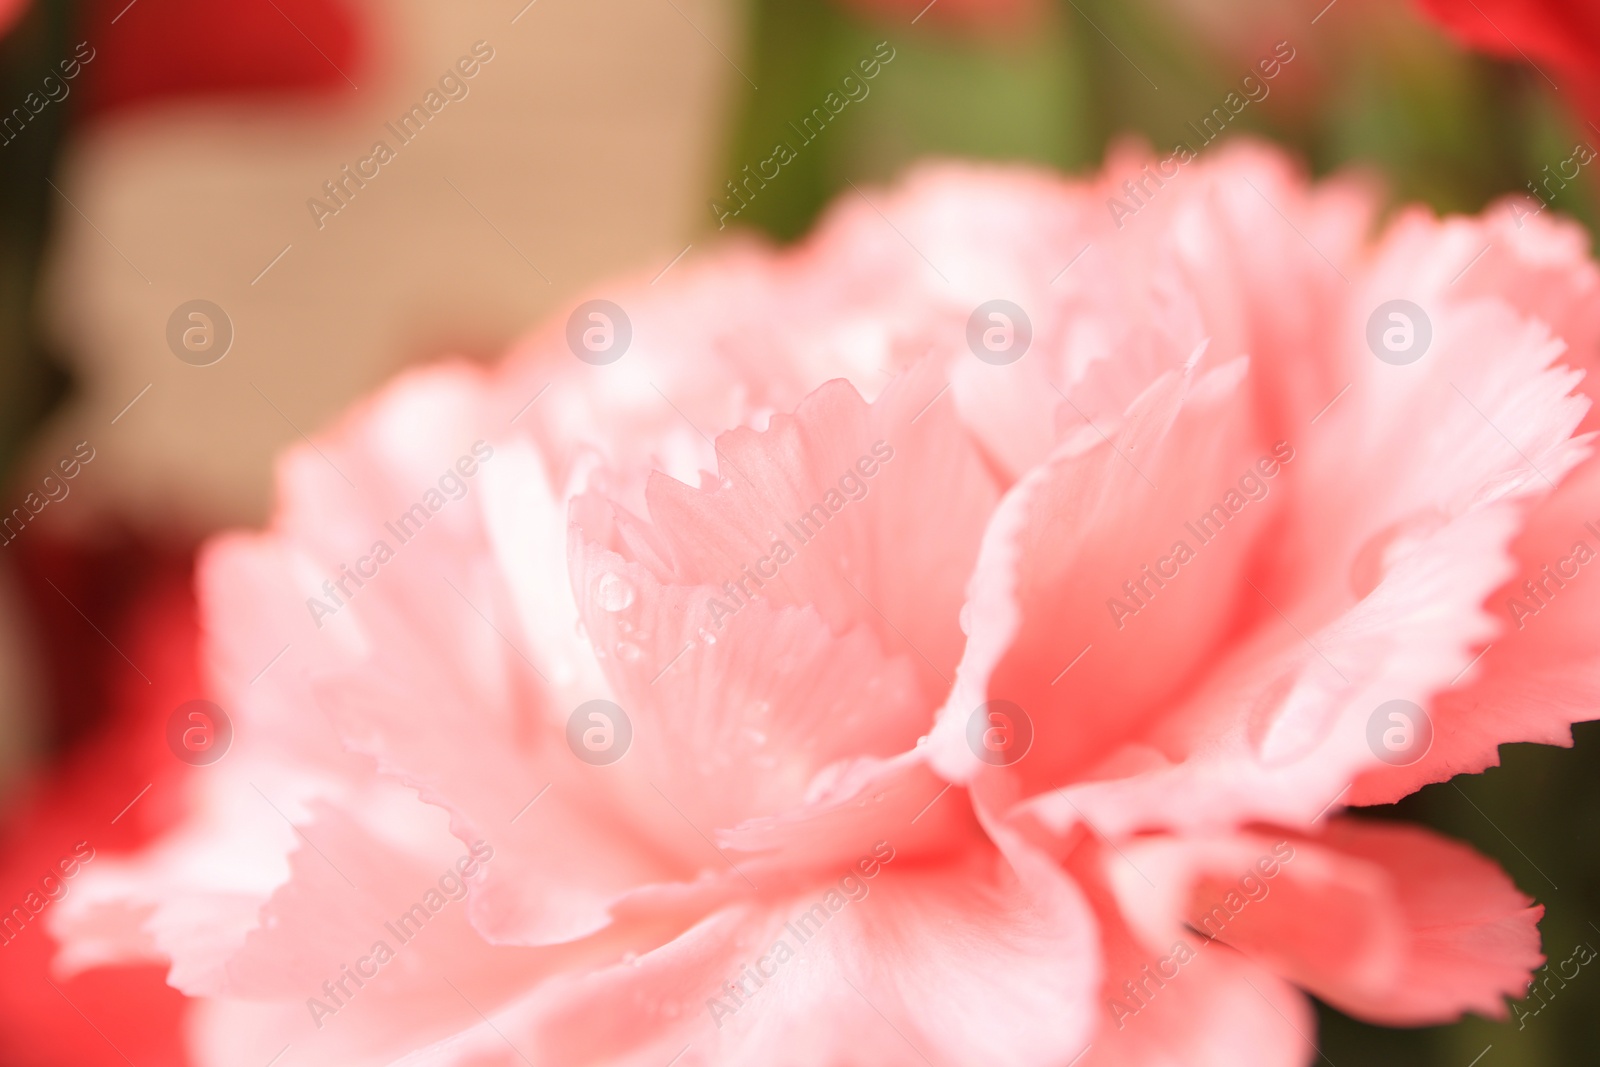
(1077, 550)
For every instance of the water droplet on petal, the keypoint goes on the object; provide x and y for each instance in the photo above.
(708, 637)
(965, 618)
(1380, 552)
(628, 652)
(613, 592)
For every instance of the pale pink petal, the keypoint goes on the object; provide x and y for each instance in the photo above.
(1179, 1000)
(909, 493)
(949, 964)
(758, 717)
(1389, 923)
(1541, 673)
(1049, 586)
(1392, 611)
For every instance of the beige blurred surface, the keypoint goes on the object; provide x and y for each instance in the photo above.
(583, 150)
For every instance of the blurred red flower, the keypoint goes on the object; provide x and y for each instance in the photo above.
(1559, 38)
(106, 717)
(118, 712)
(10, 10)
(200, 48)
(196, 47)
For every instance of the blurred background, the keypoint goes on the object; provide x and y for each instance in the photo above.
(160, 152)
